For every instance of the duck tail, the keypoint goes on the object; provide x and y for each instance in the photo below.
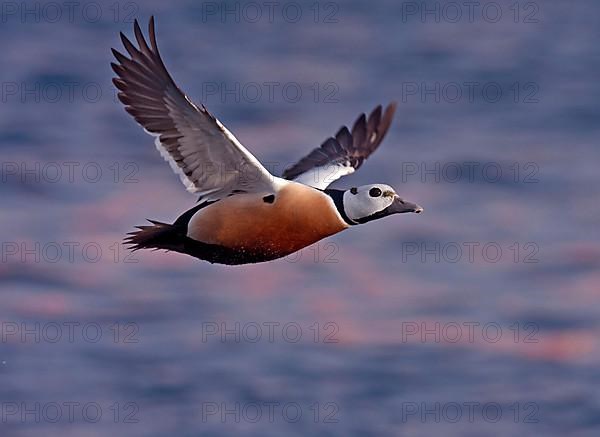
(157, 236)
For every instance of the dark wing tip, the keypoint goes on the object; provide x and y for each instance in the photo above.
(137, 31)
(119, 83)
(140, 64)
(390, 110)
(152, 33)
(116, 68)
(374, 117)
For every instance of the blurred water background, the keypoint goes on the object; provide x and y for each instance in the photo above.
(393, 328)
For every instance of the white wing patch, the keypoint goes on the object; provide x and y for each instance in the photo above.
(189, 185)
(322, 177)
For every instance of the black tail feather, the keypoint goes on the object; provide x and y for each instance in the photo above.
(158, 236)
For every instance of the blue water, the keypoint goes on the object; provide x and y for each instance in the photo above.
(359, 334)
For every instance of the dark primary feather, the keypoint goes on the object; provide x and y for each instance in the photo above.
(145, 87)
(348, 148)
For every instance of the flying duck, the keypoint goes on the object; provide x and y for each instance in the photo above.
(245, 214)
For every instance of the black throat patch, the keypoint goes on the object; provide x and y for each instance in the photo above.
(375, 216)
(338, 200)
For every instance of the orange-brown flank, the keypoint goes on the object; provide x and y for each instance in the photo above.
(298, 217)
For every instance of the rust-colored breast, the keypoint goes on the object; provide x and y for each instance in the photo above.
(298, 217)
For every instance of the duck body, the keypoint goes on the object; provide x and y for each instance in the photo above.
(248, 228)
(272, 225)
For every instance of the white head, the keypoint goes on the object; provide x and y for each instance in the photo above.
(370, 202)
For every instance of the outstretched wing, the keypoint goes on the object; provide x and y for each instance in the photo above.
(209, 160)
(343, 154)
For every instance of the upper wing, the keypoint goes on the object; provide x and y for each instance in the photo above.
(343, 154)
(209, 160)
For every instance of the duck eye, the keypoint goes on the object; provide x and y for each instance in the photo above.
(374, 192)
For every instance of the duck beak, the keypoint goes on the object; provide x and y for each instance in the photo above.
(400, 206)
